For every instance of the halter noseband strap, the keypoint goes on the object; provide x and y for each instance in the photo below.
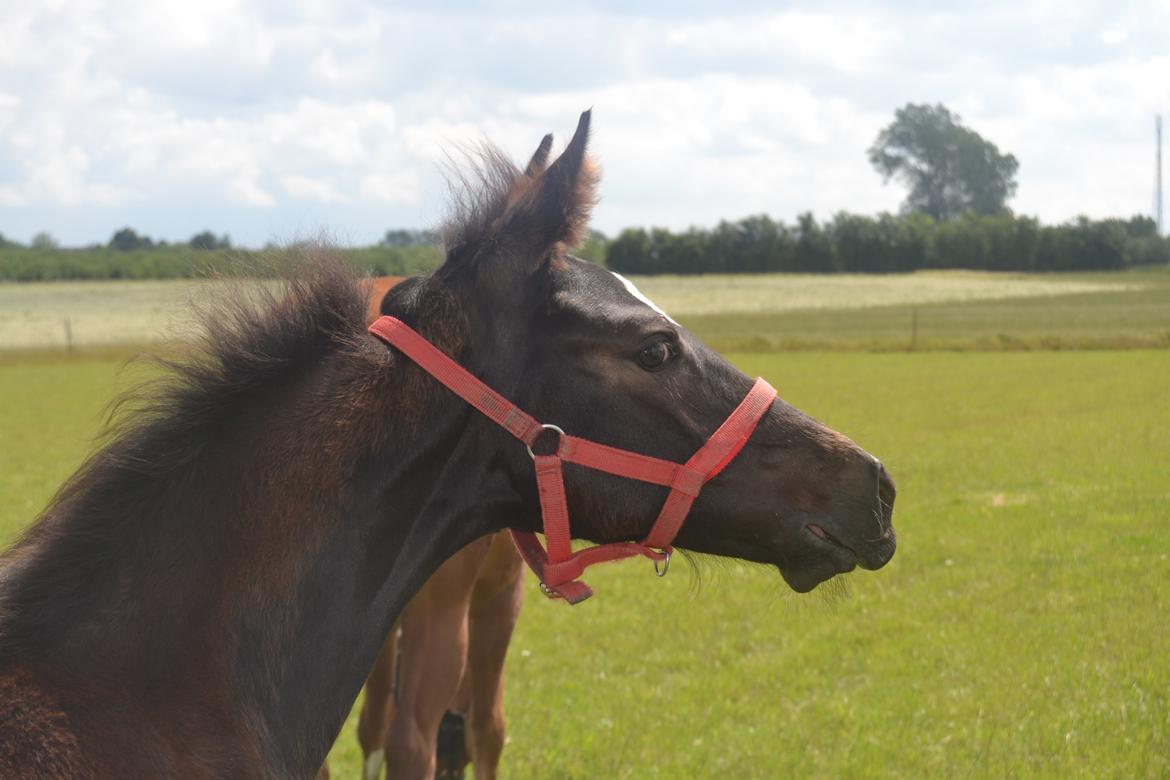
(558, 567)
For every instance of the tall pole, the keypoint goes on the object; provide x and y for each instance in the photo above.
(1158, 174)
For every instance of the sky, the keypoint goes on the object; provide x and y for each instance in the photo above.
(275, 121)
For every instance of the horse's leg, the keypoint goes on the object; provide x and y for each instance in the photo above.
(377, 706)
(495, 606)
(431, 663)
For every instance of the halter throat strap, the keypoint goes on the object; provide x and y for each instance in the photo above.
(558, 567)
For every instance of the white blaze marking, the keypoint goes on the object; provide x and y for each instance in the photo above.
(634, 291)
(374, 764)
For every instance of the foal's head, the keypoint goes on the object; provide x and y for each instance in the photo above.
(580, 347)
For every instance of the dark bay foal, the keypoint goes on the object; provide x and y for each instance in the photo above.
(205, 596)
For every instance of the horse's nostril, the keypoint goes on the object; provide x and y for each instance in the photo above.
(886, 492)
(885, 486)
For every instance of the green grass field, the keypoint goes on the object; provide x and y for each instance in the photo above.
(1020, 631)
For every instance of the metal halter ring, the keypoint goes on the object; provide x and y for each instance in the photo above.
(546, 427)
(665, 564)
(546, 590)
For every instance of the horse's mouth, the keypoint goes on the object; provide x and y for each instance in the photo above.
(842, 554)
(815, 555)
(821, 557)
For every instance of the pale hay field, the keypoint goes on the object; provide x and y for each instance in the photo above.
(762, 293)
(102, 313)
(729, 311)
(99, 313)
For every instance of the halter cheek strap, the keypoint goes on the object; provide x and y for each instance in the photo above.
(558, 567)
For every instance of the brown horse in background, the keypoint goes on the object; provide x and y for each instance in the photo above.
(448, 657)
(446, 653)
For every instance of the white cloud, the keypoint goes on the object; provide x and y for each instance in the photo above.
(10, 196)
(846, 43)
(390, 186)
(9, 105)
(265, 116)
(307, 187)
(245, 190)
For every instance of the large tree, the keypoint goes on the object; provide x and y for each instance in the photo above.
(949, 168)
(126, 240)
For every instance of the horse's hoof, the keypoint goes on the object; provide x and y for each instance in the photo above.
(451, 753)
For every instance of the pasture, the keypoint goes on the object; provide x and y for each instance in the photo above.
(743, 312)
(1020, 630)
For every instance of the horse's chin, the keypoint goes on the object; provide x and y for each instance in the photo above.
(813, 558)
(805, 579)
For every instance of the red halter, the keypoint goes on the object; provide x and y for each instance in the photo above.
(559, 567)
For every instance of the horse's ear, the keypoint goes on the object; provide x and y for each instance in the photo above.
(563, 197)
(511, 220)
(539, 159)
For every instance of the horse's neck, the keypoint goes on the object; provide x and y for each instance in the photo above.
(270, 587)
(403, 520)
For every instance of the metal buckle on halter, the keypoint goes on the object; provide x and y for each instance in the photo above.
(546, 590)
(547, 427)
(665, 560)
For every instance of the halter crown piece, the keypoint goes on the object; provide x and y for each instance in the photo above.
(558, 567)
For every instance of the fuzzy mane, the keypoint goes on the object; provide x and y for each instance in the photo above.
(252, 339)
(480, 193)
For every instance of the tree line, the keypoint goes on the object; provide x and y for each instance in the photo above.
(851, 243)
(130, 255)
(889, 243)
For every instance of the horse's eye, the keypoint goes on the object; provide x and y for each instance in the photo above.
(654, 356)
